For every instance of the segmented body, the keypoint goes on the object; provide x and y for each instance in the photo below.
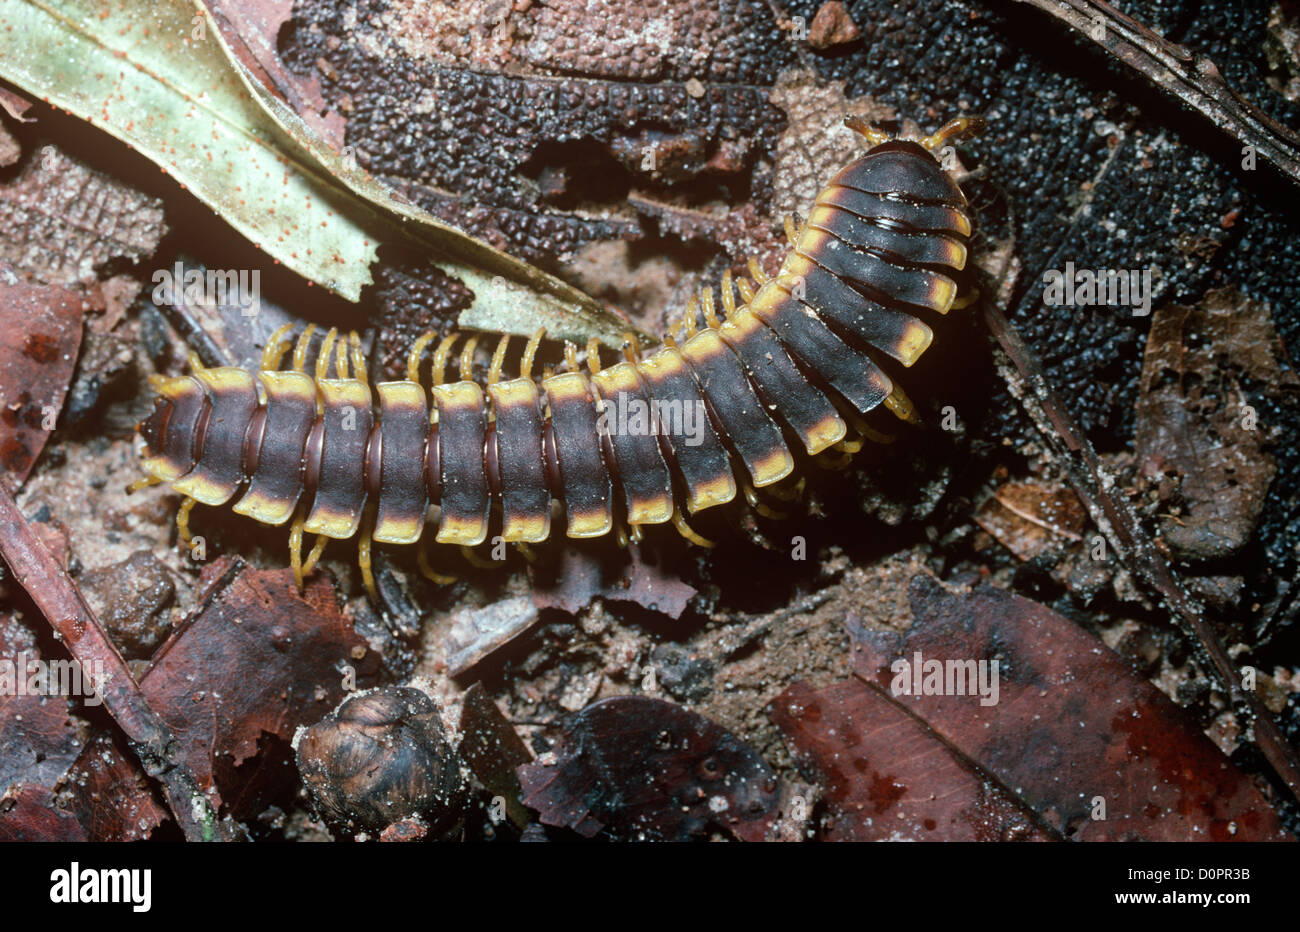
(794, 364)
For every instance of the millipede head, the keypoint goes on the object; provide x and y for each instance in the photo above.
(953, 130)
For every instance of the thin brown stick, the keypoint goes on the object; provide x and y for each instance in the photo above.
(1186, 75)
(1111, 513)
(36, 570)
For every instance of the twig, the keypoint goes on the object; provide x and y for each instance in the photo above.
(1112, 514)
(1182, 73)
(77, 627)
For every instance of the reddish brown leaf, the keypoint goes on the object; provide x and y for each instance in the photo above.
(645, 768)
(1072, 725)
(1212, 451)
(38, 738)
(1031, 518)
(887, 777)
(28, 813)
(253, 662)
(110, 794)
(40, 332)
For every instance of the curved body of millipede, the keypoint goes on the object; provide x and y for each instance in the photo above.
(796, 360)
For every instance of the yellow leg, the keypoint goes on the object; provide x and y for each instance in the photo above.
(787, 495)
(143, 482)
(965, 300)
(467, 359)
(710, 311)
(341, 367)
(751, 495)
(276, 347)
(323, 358)
(530, 353)
(528, 553)
(866, 130)
(685, 530)
(475, 560)
(688, 316)
(593, 355)
(413, 360)
(746, 289)
(295, 548)
(791, 230)
(865, 430)
(183, 520)
(428, 572)
(834, 464)
(498, 359)
(756, 270)
(363, 559)
(902, 406)
(313, 558)
(358, 357)
(300, 348)
(954, 129)
(440, 358)
(631, 347)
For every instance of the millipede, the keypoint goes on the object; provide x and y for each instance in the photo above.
(794, 362)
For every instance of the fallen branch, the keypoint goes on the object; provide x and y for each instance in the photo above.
(1186, 75)
(36, 570)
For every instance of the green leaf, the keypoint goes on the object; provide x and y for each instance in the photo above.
(150, 74)
(158, 75)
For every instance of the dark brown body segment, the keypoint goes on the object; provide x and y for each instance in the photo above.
(276, 483)
(874, 280)
(782, 387)
(232, 396)
(910, 216)
(938, 250)
(588, 489)
(462, 431)
(850, 372)
(737, 408)
(702, 461)
(647, 485)
(862, 320)
(404, 430)
(340, 488)
(525, 498)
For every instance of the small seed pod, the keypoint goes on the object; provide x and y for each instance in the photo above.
(380, 757)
